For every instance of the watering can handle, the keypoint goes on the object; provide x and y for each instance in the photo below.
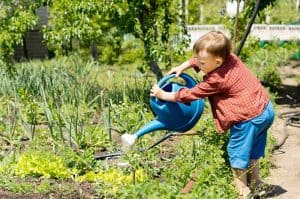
(190, 82)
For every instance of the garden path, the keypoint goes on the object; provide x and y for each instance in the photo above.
(285, 176)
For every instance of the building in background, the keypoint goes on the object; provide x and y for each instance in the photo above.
(33, 46)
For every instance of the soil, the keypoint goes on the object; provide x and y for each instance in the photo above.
(64, 190)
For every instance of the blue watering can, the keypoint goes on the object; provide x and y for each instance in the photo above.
(173, 116)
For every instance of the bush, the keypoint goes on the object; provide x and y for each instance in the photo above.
(132, 52)
(264, 61)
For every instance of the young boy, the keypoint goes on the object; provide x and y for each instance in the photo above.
(238, 102)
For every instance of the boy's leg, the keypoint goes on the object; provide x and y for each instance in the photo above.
(239, 149)
(257, 186)
(246, 145)
(263, 122)
(240, 180)
(253, 173)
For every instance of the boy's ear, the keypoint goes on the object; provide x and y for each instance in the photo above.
(219, 61)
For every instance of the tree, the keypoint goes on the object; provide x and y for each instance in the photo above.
(206, 11)
(252, 10)
(155, 22)
(79, 23)
(17, 17)
(86, 23)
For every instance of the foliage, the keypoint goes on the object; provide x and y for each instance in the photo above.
(131, 51)
(17, 17)
(17, 185)
(76, 23)
(110, 181)
(155, 23)
(41, 163)
(263, 5)
(70, 99)
(78, 162)
(214, 165)
(110, 47)
(203, 155)
(6, 164)
(282, 12)
(213, 11)
(264, 61)
(128, 116)
(266, 163)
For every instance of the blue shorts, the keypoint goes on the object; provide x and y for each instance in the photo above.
(248, 139)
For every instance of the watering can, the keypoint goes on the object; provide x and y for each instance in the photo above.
(173, 116)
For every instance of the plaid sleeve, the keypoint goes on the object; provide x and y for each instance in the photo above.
(204, 89)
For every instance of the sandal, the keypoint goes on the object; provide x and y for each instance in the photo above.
(261, 189)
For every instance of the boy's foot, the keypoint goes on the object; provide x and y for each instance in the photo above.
(128, 141)
(261, 189)
(246, 196)
(245, 193)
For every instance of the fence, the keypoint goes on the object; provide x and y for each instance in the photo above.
(261, 31)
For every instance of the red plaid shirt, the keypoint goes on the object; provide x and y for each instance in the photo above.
(234, 93)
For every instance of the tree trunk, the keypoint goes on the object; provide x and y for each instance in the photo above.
(94, 51)
(153, 64)
(236, 28)
(252, 19)
(156, 70)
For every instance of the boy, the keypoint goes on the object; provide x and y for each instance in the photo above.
(238, 102)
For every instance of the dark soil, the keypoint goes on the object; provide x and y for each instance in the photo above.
(61, 190)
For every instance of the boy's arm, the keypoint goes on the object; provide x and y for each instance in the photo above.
(185, 65)
(161, 94)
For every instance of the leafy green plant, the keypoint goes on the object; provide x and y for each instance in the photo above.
(15, 186)
(7, 163)
(283, 12)
(131, 52)
(108, 182)
(79, 162)
(41, 163)
(128, 116)
(75, 24)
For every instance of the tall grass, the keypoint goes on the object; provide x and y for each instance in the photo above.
(67, 94)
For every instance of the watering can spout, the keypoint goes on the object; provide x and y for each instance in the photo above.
(154, 125)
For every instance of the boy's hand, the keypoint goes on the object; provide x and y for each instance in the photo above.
(156, 91)
(177, 70)
(159, 93)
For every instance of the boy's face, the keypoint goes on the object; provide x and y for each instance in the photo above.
(208, 62)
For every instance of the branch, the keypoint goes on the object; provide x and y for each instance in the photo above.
(255, 12)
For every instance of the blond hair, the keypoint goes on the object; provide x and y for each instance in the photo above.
(215, 43)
